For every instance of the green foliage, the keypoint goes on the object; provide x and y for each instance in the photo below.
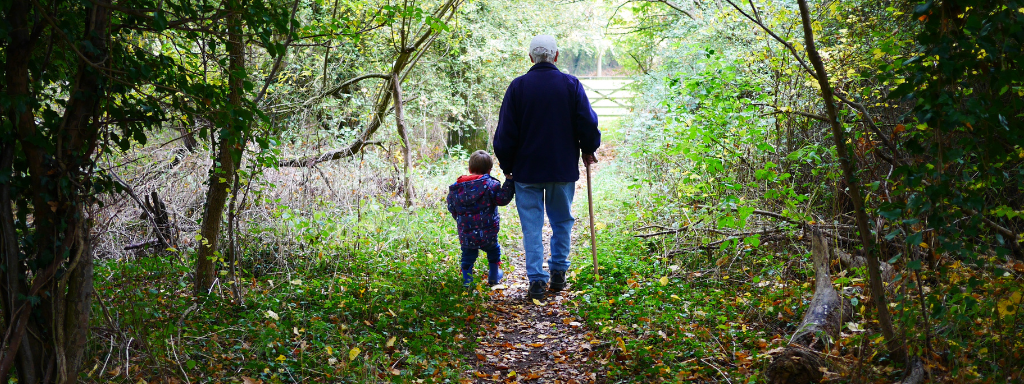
(965, 81)
(387, 285)
(679, 316)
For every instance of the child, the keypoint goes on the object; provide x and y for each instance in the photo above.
(473, 201)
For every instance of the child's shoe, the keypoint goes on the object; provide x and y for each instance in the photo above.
(467, 278)
(494, 274)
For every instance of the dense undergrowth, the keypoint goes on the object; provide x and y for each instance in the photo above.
(726, 163)
(327, 295)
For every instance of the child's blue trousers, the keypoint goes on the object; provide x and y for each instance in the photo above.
(469, 255)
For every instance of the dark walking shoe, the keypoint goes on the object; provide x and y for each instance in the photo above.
(467, 279)
(537, 289)
(557, 281)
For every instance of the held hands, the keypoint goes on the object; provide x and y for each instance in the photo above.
(589, 159)
(508, 176)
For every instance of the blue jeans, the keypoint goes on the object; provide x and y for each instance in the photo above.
(469, 256)
(532, 201)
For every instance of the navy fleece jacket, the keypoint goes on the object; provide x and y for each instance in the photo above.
(544, 124)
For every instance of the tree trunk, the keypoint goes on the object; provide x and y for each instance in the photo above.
(850, 176)
(59, 183)
(800, 362)
(396, 82)
(223, 171)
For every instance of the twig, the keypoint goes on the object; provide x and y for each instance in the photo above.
(178, 361)
(667, 231)
(151, 216)
(716, 368)
(804, 114)
(675, 7)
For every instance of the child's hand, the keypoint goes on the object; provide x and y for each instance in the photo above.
(508, 176)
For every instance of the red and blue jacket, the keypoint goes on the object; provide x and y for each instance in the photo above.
(473, 201)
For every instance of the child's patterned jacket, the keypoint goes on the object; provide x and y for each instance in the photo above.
(473, 202)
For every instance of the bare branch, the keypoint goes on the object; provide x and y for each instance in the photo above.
(398, 71)
(804, 114)
(277, 61)
(668, 231)
(871, 124)
(675, 7)
(777, 38)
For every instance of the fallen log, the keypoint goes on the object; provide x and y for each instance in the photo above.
(799, 363)
(915, 372)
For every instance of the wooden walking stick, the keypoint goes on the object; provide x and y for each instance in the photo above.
(593, 235)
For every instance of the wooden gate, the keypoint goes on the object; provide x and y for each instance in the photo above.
(609, 96)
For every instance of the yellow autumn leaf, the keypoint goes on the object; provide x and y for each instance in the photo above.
(600, 226)
(1009, 305)
(663, 280)
(622, 343)
(535, 301)
(353, 353)
(330, 351)
(280, 358)
(391, 342)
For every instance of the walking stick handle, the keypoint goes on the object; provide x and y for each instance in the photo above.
(593, 233)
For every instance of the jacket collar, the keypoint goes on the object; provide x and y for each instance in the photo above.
(543, 66)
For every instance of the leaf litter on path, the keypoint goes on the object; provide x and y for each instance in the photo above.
(524, 341)
(531, 341)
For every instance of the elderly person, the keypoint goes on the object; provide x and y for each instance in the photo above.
(544, 126)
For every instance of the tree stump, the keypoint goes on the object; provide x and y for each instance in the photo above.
(799, 363)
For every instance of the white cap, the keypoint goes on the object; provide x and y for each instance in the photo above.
(544, 41)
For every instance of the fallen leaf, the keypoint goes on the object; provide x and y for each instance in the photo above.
(1009, 305)
(535, 301)
(536, 345)
(273, 315)
(353, 353)
(722, 261)
(249, 380)
(663, 280)
(391, 342)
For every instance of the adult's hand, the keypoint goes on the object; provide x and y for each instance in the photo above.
(589, 159)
